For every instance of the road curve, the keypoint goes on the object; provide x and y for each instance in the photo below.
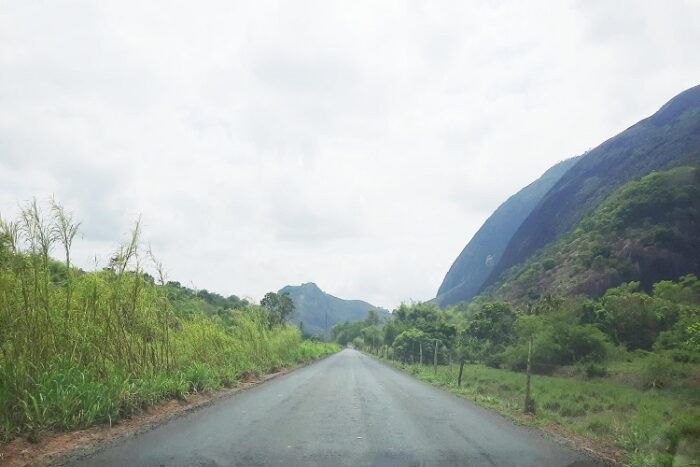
(346, 410)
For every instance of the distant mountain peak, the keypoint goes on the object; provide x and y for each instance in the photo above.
(319, 310)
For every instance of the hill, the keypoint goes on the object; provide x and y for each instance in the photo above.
(646, 231)
(669, 138)
(319, 311)
(476, 261)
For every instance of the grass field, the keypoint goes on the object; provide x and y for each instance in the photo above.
(655, 427)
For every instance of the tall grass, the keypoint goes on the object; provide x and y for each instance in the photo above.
(79, 348)
(655, 427)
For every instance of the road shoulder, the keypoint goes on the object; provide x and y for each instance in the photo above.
(56, 448)
(605, 454)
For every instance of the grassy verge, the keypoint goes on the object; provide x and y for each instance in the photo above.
(63, 396)
(654, 427)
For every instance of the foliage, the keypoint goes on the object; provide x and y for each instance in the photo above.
(668, 139)
(646, 231)
(362, 334)
(655, 427)
(279, 307)
(623, 367)
(565, 331)
(78, 348)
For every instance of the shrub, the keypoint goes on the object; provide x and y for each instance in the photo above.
(682, 432)
(659, 372)
(593, 369)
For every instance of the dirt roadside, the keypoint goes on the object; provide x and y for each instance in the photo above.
(52, 447)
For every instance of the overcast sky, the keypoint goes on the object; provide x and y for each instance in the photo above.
(358, 145)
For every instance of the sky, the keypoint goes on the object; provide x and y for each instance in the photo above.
(358, 145)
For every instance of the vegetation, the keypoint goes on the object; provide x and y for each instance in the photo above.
(581, 296)
(622, 368)
(656, 427)
(670, 138)
(79, 348)
(317, 311)
(646, 231)
(475, 263)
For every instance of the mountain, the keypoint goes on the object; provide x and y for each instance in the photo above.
(476, 261)
(313, 306)
(647, 231)
(669, 138)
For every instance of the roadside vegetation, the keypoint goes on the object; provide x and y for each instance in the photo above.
(80, 348)
(623, 369)
(585, 334)
(654, 427)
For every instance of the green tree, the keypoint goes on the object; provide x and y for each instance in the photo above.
(279, 307)
(372, 318)
(372, 336)
(629, 317)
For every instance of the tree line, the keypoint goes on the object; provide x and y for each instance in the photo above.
(543, 334)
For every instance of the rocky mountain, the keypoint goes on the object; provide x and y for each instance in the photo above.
(476, 261)
(319, 311)
(648, 230)
(669, 138)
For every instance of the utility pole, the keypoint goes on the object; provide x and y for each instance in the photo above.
(528, 399)
(435, 358)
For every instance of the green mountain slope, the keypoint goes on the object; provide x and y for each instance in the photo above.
(474, 264)
(669, 138)
(318, 310)
(648, 230)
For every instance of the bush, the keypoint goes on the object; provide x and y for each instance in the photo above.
(593, 369)
(659, 372)
(682, 432)
(561, 344)
(583, 342)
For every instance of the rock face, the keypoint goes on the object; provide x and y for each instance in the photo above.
(646, 231)
(669, 138)
(476, 262)
(544, 211)
(319, 311)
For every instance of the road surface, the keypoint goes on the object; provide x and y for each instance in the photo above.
(346, 410)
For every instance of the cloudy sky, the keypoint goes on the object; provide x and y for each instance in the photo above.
(357, 144)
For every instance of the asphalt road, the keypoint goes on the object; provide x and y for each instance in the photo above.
(346, 410)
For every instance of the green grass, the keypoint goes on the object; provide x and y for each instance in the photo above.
(656, 427)
(64, 396)
(79, 348)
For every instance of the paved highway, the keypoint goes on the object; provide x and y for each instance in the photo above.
(346, 410)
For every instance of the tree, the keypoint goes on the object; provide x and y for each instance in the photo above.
(529, 326)
(494, 322)
(408, 343)
(372, 336)
(279, 308)
(466, 350)
(345, 333)
(372, 318)
(629, 317)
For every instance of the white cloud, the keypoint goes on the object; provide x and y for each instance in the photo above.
(358, 145)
